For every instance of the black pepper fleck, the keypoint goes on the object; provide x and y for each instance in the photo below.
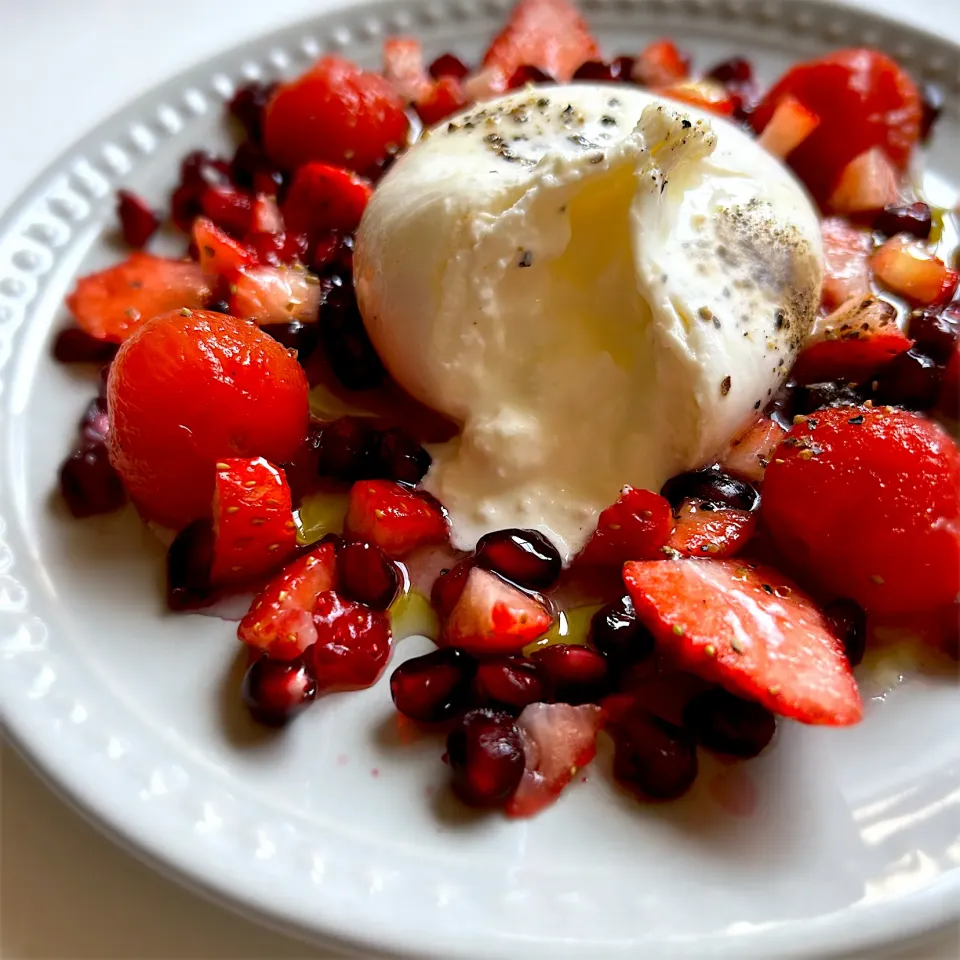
(725, 385)
(686, 124)
(526, 260)
(607, 121)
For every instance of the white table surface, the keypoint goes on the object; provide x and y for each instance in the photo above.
(66, 891)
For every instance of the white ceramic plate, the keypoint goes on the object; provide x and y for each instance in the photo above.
(333, 829)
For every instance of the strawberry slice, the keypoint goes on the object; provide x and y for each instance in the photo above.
(111, 304)
(846, 261)
(633, 528)
(219, 253)
(253, 524)
(750, 630)
(748, 454)
(852, 344)
(493, 618)
(393, 517)
(558, 740)
(789, 126)
(323, 198)
(445, 97)
(702, 530)
(660, 64)
(867, 184)
(548, 34)
(353, 643)
(906, 267)
(706, 94)
(274, 294)
(403, 67)
(280, 619)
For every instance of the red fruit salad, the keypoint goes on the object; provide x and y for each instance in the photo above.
(247, 411)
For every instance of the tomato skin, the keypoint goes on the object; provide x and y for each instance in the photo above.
(335, 113)
(866, 502)
(191, 388)
(863, 99)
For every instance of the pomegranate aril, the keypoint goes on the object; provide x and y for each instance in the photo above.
(510, 683)
(911, 380)
(353, 643)
(248, 105)
(932, 104)
(727, 724)
(342, 449)
(348, 348)
(848, 621)
(935, 332)
(711, 486)
(527, 74)
(448, 586)
(138, 221)
(486, 757)
(367, 575)
(447, 65)
(434, 687)
(218, 306)
(574, 674)
(251, 169)
(301, 337)
(74, 345)
(228, 208)
(394, 455)
(913, 218)
(189, 559)
(736, 75)
(624, 68)
(95, 422)
(653, 758)
(525, 557)
(275, 691)
(833, 393)
(617, 633)
(89, 483)
(201, 169)
(599, 72)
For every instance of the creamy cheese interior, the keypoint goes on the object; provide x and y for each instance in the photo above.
(600, 287)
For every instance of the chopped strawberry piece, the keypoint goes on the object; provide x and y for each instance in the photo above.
(867, 502)
(846, 261)
(444, 98)
(703, 530)
(448, 586)
(393, 517)
(111, 304)
(219, 253)
(353, 643)
(494, 618)
(138, 221)
(789, 126)
(705, 94)
(633, 528)
(906, 267)
(749, 629)
(253, 524)
(190, 388)
(863, 100)
(274, 294)
(280, 620)
(265, 217)
(558, 740)
(324, 198)
(335, 113)
(660, 64)
(487, 84)
(748, 454)
(549, 34)
(852, 344)
(867, 184)
(403, 67)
